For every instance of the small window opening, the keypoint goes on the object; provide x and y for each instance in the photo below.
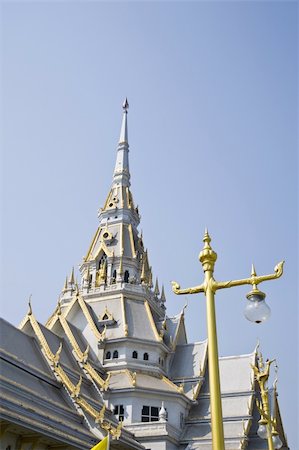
(135, 354)
(119, 411)
(145, 356)
(105, 317)
(108, 355)
(115, 354)
(126, 276)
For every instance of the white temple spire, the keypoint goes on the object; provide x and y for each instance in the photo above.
(123, 137)
(121, 172)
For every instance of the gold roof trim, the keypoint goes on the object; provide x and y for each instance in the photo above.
(128, 198)
(196, 389)
(82, 356)
(132, 240)
(98, 335)
(122, 197)
(41, 338)
(74, 390)
(179, 389)
(104, 248)
(132, 377)
(54, 317)
(174, 343)
(92, 244)
(121, 243)
(151, 319)
(123, 308)
(23, 322)
(107, 200)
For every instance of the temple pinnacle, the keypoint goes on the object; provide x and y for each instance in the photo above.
(123, 137)
(126, 105)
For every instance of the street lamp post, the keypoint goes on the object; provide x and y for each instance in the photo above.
(256, 311)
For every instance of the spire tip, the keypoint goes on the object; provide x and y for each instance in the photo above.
(125, 105)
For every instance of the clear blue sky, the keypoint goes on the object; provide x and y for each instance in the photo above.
(213, 124)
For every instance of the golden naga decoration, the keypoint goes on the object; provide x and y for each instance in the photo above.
(100, 417)
(209, 286)
(76, 391)
(116, 432)
(56, 357)
(268, 423)
(85, 355)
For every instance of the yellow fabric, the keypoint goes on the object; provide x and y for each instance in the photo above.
(103, 445)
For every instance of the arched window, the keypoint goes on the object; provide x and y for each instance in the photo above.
(108, 355)
(145, 356)
(126, 276)
(134, 354)
(115, 354)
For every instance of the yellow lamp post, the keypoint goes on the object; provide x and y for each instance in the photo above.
(256, 310)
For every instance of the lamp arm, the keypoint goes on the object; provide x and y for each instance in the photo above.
(253, 280)
(176, 288)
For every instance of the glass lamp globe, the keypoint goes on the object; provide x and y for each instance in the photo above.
(262, 431)
(276, 441)
(256, 309)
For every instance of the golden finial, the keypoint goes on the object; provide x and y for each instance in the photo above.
(142, 276)
(65, 285)
(29, 305)
(206, 238)
(72, 277)
(157, 290)
(150, 277)
(184, 307)
(76, 289)
(207, 256)
(253, 272)
(163, 298)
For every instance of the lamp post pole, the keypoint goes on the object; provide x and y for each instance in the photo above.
(208, 257)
